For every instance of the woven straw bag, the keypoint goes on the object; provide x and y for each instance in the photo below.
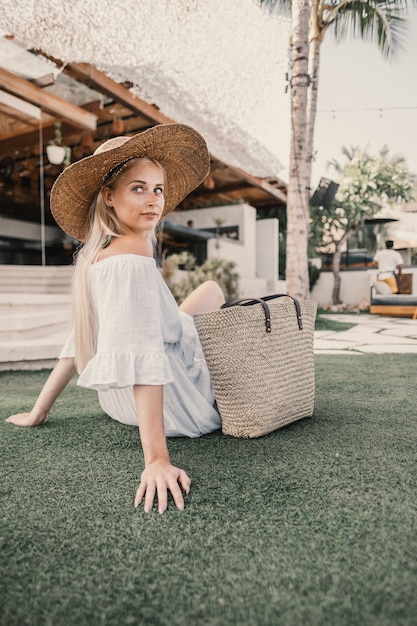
(261, 361)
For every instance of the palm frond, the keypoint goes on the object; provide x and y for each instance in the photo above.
(383, 22)
(279, 8)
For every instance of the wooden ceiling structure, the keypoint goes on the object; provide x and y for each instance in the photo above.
(112, 109)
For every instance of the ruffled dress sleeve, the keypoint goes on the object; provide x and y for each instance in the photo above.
(130, 346)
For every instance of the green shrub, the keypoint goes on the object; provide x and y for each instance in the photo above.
(313, 274)
(219, 270)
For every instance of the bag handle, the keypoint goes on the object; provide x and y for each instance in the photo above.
(247, 302)
(296, 305)
(262, 301)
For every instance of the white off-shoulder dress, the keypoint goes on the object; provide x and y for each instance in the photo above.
(144, 339)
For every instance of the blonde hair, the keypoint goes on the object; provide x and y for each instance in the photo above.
(102, 224)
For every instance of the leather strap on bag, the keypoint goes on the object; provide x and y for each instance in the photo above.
(262, 301)
(247, 302)
(296, 304)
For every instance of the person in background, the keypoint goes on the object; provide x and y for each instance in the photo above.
(131, 343)
(389, 262)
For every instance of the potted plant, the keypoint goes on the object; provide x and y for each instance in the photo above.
(55, 151)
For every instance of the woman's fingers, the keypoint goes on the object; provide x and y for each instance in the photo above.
(162, 497)
(185, 481)
(159, 487)
(149, 497)
(139, 494)
(176, 494)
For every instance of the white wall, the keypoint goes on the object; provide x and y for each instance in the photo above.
(267, 244)
(355, 288)
(256, 251)
(257, 287)
(243, 256)
(231, 215)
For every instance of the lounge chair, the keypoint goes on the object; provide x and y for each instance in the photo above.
(384, 302)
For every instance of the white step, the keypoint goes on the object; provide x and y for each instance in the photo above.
(36, 278)
(13, 302)
(31, 354)
(30, 325)
(33, 329)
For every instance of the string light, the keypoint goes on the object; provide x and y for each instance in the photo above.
(379, 109)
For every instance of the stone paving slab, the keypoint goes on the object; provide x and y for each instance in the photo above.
(399, 332)
(370, 320)
(319, 334)
(372, 338)
(361, 328)
(349, 352)
(391, 349)
(371, 334)
(329, 344)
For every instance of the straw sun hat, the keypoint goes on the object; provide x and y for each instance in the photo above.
(180, 150)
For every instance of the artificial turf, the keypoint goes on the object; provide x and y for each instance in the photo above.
(314, 524)
(323, 323)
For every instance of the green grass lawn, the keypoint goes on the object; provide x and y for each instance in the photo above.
(313, 525)
(325, 324)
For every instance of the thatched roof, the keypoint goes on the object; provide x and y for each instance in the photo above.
(216, 65)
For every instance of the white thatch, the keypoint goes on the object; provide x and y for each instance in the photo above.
(218, 65)
(403, 231)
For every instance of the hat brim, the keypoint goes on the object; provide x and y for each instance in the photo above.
(180, 150)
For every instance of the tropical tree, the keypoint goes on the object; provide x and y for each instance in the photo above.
(379, 21)
(367, 184)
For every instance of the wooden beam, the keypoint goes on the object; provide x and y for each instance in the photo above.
(95, 79)
(92, 77)
(15, 125)
(53, 104)
(20, 108)
(262, 184)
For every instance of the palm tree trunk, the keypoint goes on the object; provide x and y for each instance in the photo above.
(315, 40)
(313, 72)
(297, 208)
(336, 275)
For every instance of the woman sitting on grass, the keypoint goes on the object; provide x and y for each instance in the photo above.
(131, 342)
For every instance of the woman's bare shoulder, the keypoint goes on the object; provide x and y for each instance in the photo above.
(127, 244)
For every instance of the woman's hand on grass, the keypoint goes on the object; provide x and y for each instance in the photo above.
(56, 382)
(34, 418)
(157, 479)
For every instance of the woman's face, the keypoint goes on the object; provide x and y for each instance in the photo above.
(138, 196)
